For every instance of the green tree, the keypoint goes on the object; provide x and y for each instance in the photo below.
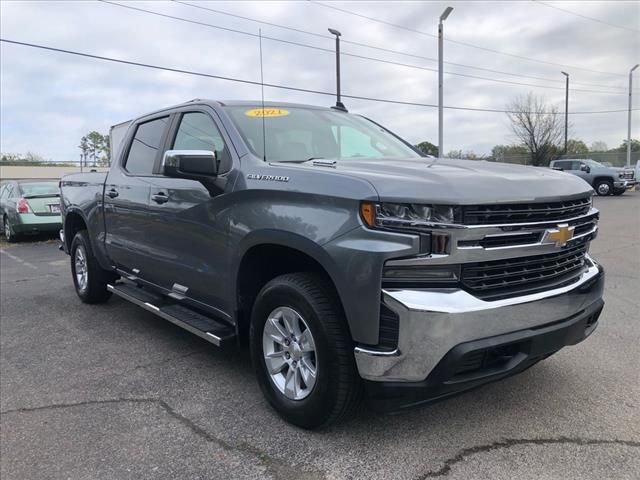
(84, 148)
(96, 148)
(427, 148)
(635, 146)
(575, 146)
(505, 152)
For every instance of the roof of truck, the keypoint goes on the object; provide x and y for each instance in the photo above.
(230, 103)
(252, 103)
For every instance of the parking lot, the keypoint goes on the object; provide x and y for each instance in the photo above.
(111, 391)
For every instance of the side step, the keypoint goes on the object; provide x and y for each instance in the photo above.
(210, 329)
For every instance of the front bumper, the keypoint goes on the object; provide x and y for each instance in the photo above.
(621, 184)
(433, 323)
(502, 356)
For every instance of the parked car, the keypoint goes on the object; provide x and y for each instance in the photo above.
(604, 180)
(29, 207)
(346, 259)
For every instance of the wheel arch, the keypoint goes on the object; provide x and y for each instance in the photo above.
(74, 221)
(286, 253)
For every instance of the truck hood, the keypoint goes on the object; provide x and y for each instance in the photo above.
(462, 181)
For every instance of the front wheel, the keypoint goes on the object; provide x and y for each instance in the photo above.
(619, 191)
(89, 279)
(603, 187)
(302, 351)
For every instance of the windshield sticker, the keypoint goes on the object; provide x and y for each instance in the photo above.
(267, 112)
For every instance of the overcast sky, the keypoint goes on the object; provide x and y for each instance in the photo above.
(49, 100)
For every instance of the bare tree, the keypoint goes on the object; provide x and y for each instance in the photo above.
(536, 125)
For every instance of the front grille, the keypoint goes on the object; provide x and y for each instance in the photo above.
(524, 212)
(499, 279)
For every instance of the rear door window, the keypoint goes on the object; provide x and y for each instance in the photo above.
(145, 146)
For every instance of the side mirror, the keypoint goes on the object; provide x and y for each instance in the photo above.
(585, 168)
(191, 164)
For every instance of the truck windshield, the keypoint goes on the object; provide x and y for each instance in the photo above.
(296, 134)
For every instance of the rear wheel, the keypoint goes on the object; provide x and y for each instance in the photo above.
(9, 234)
(603, 187)
(89, 278)
(302, 351)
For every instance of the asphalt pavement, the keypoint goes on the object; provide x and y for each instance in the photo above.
(113, 392)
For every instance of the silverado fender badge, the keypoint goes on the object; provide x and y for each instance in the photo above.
(268, 178)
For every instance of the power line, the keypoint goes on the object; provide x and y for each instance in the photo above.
(635, 30)
(388, 50)
(363, 57)
(420, 32)
(282, 87)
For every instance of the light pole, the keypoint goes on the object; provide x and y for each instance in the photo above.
(443, 17)
(629, 117)
(566, 111)
(339, 103)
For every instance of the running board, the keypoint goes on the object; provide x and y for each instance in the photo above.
(210, 329)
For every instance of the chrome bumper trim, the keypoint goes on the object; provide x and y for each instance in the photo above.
(434, 321)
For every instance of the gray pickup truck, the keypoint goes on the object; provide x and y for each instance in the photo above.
(346, 260)
(604, 179)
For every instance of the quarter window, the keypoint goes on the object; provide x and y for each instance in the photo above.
(145, 146)
(198, 132)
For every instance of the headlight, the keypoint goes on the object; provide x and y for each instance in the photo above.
(407, 215)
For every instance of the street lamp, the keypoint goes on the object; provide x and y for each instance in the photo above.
(629, 118)
(443, 17)
(339, 103)
(566, 111)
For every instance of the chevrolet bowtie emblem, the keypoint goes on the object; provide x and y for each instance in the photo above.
(560, 236)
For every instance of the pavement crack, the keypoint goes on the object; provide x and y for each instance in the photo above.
(276, 467)
(161, 361)
(508, 443)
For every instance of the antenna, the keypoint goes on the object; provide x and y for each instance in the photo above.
(339, 104)
(264, 136)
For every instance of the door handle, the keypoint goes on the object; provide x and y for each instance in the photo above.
(113, 193)
(160, 197)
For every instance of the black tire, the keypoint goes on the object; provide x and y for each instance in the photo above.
(619, 191)
(337, 388)
(95, 288)
(603, 187)
(9, 235)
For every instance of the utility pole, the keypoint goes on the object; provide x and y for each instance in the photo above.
(629, 116)
(339, 103)
(566, 111)
(443, 17)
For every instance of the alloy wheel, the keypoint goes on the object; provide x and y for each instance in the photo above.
(80, 262)
(290, 353)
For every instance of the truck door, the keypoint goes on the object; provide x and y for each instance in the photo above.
(126, 197)
(189, 222)
(582, 170)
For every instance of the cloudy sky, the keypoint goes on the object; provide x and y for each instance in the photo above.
(49, 100)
